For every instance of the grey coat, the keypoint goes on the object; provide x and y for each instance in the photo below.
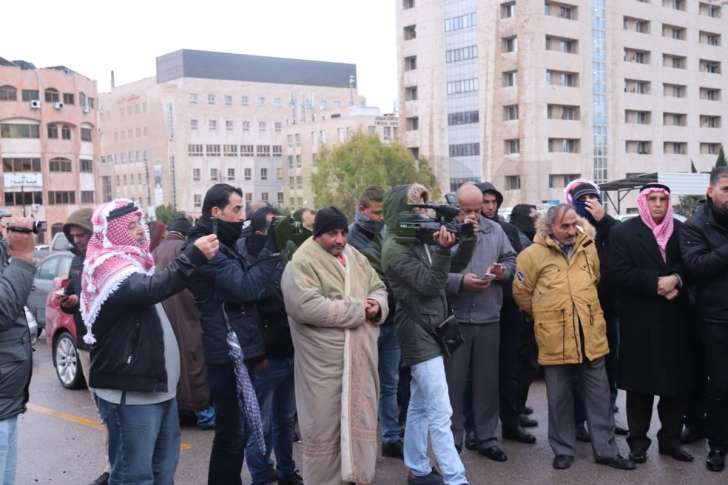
(16, 281)
(484, 306)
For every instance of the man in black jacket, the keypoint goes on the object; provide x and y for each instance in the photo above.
(704, 245)
(365, 236)
(226, 291)
(134, 358)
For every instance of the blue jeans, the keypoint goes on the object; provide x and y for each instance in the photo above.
(430, 413)
(274, 387)
(389, 355)
(8, 449)
(144, 442)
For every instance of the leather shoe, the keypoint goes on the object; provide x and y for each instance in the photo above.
(471, 441)
(494, 452)
(715, 461)
(619, 462)
(518, 434)
(393, 450)
(691, 435)
(562, 462)
(433, 478)
(582, 433)
(677, 452)
(527, 410)
(638, 456)
(527, 422)
(102, 480)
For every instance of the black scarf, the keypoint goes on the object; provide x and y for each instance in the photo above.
(227, 232)
(720, 216)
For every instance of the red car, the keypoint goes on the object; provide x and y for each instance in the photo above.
(61, 336)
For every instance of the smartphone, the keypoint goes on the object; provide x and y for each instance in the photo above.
(488, 277)
(214, 226)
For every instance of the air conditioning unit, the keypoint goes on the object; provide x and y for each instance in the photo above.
(86, 109)
(35, 104)
(58, 105)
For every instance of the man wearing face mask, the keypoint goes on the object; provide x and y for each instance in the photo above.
(226, 291)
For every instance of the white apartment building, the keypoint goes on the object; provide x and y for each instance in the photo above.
(533, 94)
(212, 117)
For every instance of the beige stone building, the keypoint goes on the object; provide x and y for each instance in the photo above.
(532, 94)
(304, 140)
(212, 117)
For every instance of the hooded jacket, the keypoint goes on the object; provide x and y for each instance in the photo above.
(78, 218)
(561, 296)
(418, 276)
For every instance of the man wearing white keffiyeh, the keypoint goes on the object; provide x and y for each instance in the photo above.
(134, 358)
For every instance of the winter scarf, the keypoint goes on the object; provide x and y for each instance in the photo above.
(663, 230)
(112, 256)
(579, 205)
(362, 220)
(227, 232)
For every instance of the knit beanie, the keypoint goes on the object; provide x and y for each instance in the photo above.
(181, 225)
(329, 219)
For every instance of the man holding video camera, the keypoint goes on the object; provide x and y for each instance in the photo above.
(16, 280)
(477, 303)
(417, 268)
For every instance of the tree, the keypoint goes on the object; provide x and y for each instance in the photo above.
(345, 171)
(721, 162)
(166, 214)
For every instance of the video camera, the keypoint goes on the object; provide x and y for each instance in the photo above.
(421, 228)
(289, 233)
(37, 227)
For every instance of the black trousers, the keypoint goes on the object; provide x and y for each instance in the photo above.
(228, 445)
(639, 416)
(509, 373)
(715, 339)
(528, 366)
(696, 406)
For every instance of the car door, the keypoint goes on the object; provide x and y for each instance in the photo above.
(42, 285)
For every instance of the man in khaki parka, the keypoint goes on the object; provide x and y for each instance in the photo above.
(556, 283)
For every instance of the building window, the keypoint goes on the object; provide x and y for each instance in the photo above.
(23, 198)
(562, 44)
(52, 130)
(263, 174)
(460, 22)
(562, 10)
(562, 112)
(279, 173)
(410, 93)
(464, 150)
(278, 151)
(640, 147)
(213, 174)
(712, 67)
(512, 146)
(86, 166)
(709, 38)
(260, 100)
(410, 63)
(8, 93)
(675, 148)
(412, 123)
(559, 181)
(510, 112)
(562, 78)
(66, 132)
(230, 150)
(228, 125)
(564, 145)
(60, 165)
(460, 54)
(197, 200)
(638, 117)
(210, 99)
(674, 119)
(246, 125)
(228, 100)
(68, 98)
(31, 95)
(21, 165)
(636, 55)
(194, 125)
(510, 79)
(212, 150)
(247, 150)
(87, 196)
(636, 25)
(247, 174)
(509, 44)
(673, 61)
(676, 4)
(508, 10)
(193, 98)
(462, 86)
(410, 32)
(637, 86)
(674, 32)
(261, 126)
(230, 174)
(86, 134)
(16, 130)
(405, 5)
(513, 182)
(674, 90)
(710, 10)
(462, 118)
(298, 161)
(61, 197)
(710, 148)
(262, 150)
(244, 100)
(710, 94)
(195, 150)
(278, 126)
(196, 175)
(52, 96)
(212, 125)
(709, 121)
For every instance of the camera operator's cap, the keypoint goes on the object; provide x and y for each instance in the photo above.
(329, 219)
(584, 189)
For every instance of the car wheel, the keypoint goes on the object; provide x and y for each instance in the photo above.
(66, 362)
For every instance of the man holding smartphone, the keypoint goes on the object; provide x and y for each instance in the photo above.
(477, 303)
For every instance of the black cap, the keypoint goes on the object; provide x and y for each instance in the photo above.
(329, 219)
(181, 225)
(584, 189)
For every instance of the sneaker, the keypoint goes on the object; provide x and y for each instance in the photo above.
(293, 478)
(433, 478)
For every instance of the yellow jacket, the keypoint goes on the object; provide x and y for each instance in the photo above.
(561, 296)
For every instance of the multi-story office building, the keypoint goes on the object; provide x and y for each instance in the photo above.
(533, 94)
(212, 117)
(48, 141)
(304, 139)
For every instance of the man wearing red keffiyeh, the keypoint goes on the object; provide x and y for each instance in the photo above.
(134, 355)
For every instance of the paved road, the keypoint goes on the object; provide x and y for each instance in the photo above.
(60, 442)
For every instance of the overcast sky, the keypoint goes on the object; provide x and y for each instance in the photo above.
(94, 37)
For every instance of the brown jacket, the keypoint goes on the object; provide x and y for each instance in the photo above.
(561, 296)
(192, 391)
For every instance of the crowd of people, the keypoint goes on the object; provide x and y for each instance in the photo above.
(377, 336)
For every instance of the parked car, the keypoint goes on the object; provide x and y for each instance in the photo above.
(53, 266)
(61, 337)
(58, 244)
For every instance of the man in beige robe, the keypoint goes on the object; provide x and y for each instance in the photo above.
(335, 303)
